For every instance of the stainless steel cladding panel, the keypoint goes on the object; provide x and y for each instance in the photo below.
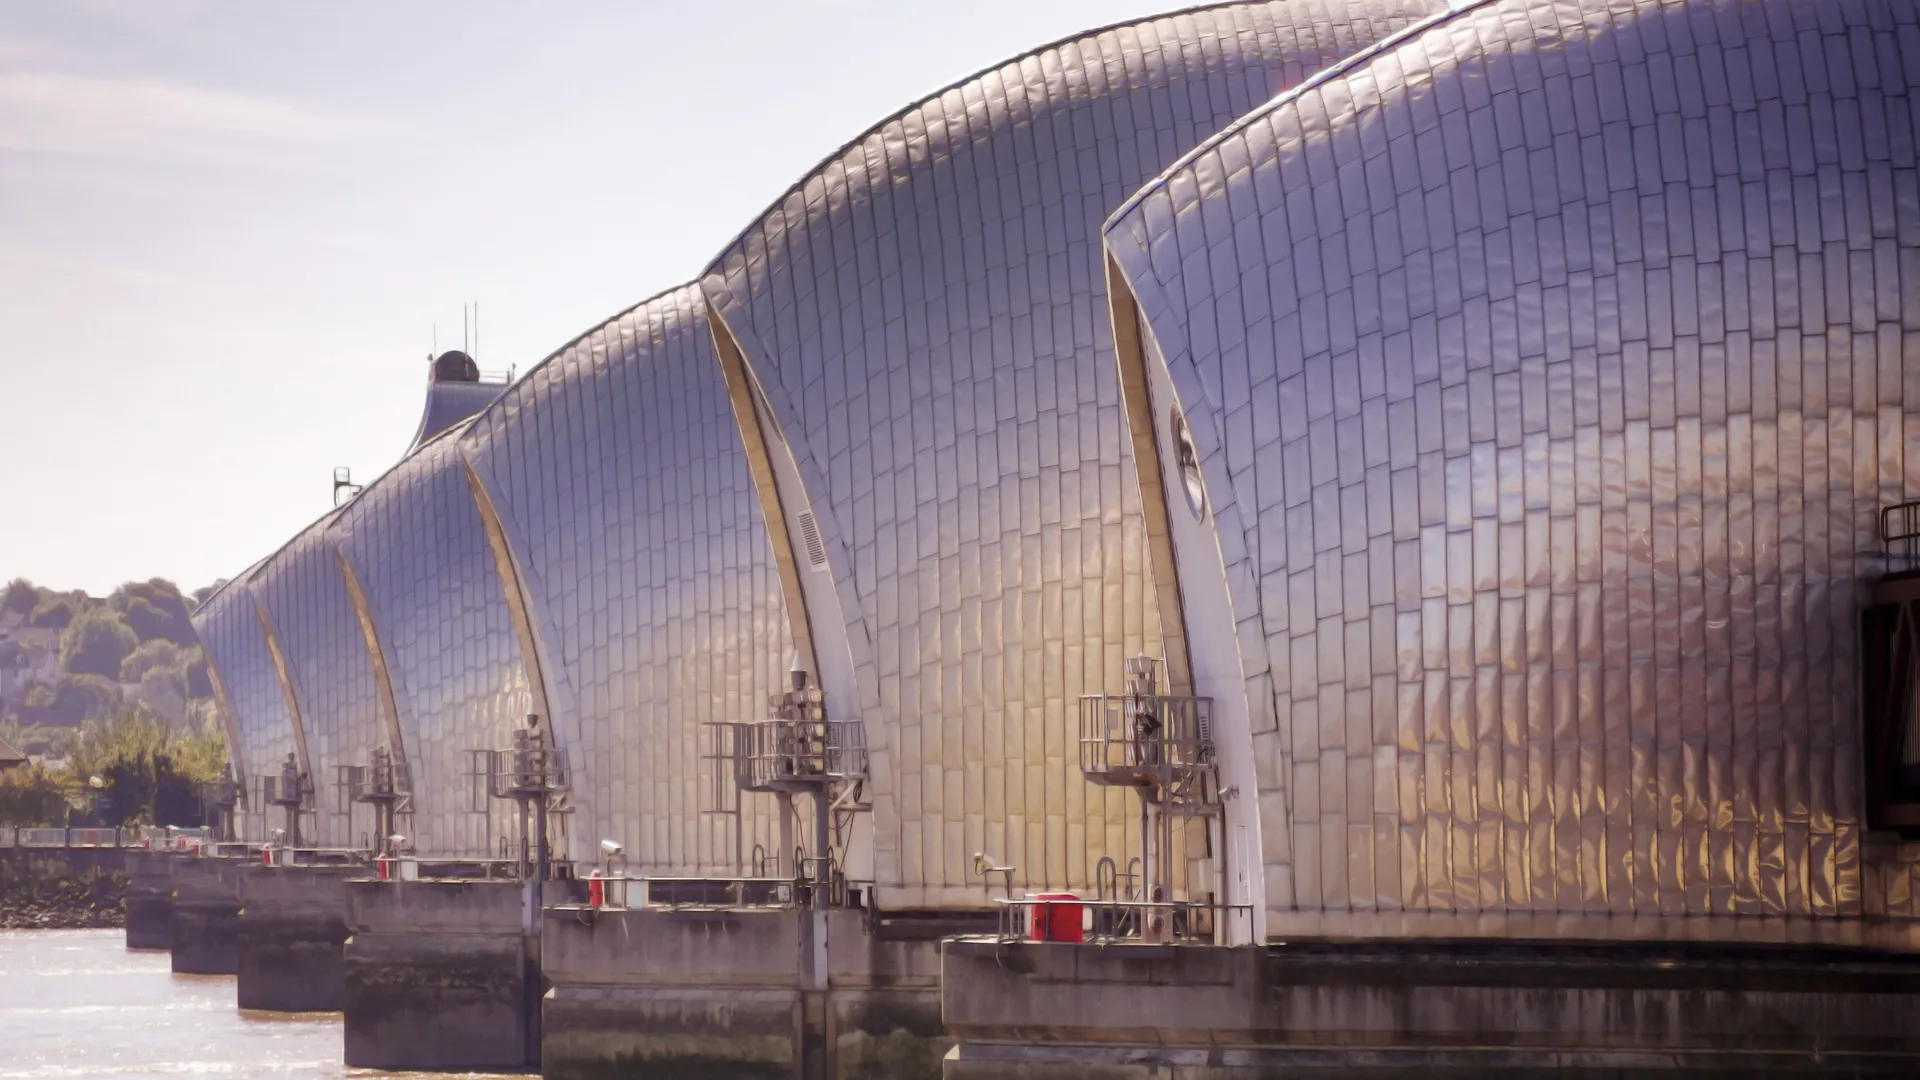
(926, 315)
(617, 470)
(1547, 369)
(229, 629)
(417, 544)
(448, 403)
(333, 678)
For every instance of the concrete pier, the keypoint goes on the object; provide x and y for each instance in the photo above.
(149, 900)
(1134, 1012)
(291, 936)
(206, 914)
(441, 975)
(750, 992)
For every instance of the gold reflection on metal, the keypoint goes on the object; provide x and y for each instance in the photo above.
(229, 723)
(285, 675)
(382, 679)
(1138, 403)
(518, 608)
(740, 393)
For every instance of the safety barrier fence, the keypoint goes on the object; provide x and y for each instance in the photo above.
(131, 836)
(1064, 917)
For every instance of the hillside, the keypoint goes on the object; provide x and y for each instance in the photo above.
(67, 658)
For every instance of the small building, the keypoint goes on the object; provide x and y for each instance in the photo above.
(11, 758)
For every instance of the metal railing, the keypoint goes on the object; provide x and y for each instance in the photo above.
(1131, 922)
(535, 768)
(1900, 530)
(94, 837)
(1156, 742)
(686, 892)
(790, 755)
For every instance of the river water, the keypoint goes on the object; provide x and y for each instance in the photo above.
(77, 1003)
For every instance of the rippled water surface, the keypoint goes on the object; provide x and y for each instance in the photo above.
(76, 1003)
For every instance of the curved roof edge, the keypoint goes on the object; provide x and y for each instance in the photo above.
(580, 337)
(840, 151)
(1281, 100)
(448, 403)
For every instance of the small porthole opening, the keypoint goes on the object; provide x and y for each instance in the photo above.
(1186, 458)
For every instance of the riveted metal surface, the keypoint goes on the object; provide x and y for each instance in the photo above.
(229, 630)
(617, 468)
(419, 550)
(925, 314)
(307, 602)
(1548, 367)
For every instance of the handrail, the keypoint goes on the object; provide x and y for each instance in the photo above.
(1900, 529)
(1149, 922)
(59, 838)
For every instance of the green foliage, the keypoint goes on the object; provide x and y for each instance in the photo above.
(51, 741)
(52, 613)
(95, 642)
(165, 691)
(149, 771)
(34, 796)
(154, 610)
(37, 706)
(20, 597)
(80, 698)
(158, 653)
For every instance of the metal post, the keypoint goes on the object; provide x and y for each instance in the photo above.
(785, 852)
(822, 851)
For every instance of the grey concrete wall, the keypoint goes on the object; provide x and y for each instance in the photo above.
(149, 900)
(439, 975)
(291, 937)
(206, 915)
(1127, 1011)
(736, 993)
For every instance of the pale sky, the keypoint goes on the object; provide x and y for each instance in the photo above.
(228, 227)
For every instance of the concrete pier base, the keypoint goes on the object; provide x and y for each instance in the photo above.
(441, 976)
(1126, 1012)
(149, 900)
(794, 994)
(206, 915)
(292, 932)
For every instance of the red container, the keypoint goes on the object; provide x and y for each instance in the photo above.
(596, 890)
(381, 872)
(1056, 917)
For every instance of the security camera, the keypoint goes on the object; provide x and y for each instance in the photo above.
(611, 847)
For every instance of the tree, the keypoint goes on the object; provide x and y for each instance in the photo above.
(80, 698)
(200, 594)
(148, 771)
(199, 679)
(51, 613)
(95, 642)
(159, 653)
(19, 597)
(33, 796)
(154, 609)
(36, 708)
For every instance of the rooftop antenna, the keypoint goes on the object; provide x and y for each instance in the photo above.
(476, 326)
(463, 331)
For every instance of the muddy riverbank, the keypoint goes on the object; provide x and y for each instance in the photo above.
(55, 891)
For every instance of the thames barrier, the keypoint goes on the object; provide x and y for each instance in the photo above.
(1324, 537)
